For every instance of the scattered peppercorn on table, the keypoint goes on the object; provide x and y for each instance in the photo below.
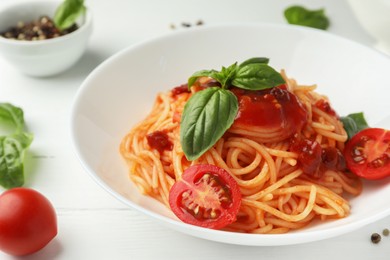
(91, 223)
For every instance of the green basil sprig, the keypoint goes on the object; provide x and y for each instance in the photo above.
(210, 112)
(311, 18)
(68, 12)
(354, 123)
(12, 147)
(206, 117)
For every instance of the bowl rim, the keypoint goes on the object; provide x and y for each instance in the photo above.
(84, 28)
(231, 237)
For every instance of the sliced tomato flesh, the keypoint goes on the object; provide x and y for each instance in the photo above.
(206, 196)
(368, 153)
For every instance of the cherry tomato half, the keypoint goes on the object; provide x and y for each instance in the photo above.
(368, 153)
(27, 221)
(206, 196)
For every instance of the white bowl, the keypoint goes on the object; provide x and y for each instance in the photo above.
(121, 91)
(374, 16)
(43, 57)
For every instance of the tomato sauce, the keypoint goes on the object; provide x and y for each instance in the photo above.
(272, 108)
(159, 140)
(325, 106)
(333, 159)
(315, 160)
(198, 86)
(309, 154)
(180, 89)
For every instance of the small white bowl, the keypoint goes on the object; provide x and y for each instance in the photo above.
(42, 58)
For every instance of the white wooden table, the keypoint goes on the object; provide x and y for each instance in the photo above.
(94, 225)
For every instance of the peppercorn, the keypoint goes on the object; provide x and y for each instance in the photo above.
(184, 24)
(187, 24)
(375, 238)
(199, 22)
(40, 29)
(386, 232)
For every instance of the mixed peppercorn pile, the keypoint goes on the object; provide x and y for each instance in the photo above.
(40, 29)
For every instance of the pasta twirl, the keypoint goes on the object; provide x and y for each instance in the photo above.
(277, 196)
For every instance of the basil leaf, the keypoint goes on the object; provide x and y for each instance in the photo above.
(206, 117)
(255, 60)
(68, 12)
(227, 75)
(349, 126)
(359, 119)
(12, 114)
(240, 73)
(312, 18)
(210, 112)
(202, 73)
(257, 76)
(12, 147)
(354, 123)
(224, 77)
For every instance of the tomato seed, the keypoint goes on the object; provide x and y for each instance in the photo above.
(196, 210)
(213, 214)
(185, 195)
(206, 177)
(212, 183)
(377, 163)
(358, 157)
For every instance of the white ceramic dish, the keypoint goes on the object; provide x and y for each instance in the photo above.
(375, 19)
(121, 91)
(44, 57)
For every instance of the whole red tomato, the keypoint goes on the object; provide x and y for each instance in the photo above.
(28, 221)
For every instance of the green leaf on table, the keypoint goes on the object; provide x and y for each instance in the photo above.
(12, 150)
(311, 18)
(12, 114)
(13, 147)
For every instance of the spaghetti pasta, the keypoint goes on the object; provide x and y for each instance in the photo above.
(277, 195)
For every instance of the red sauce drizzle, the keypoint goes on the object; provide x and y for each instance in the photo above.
(325, 106)
(333, 159)
(180, 89)
(309, 155)
(198, 86)
(159, 140)
(270, 108)
(315, 160)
